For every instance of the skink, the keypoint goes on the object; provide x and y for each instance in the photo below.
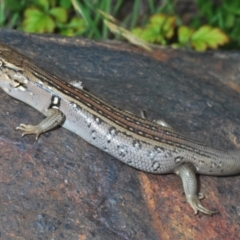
(138, 142)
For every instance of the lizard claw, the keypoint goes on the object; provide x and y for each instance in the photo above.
(29, 129)
(197, 206)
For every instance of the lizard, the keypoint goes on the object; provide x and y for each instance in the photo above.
(136, 141)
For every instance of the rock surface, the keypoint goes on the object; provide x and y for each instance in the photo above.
(60, 187)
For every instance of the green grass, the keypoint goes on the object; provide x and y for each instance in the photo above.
(82, 18)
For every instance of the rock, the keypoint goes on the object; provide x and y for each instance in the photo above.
(61, 187)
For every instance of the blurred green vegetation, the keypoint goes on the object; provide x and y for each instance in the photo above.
(213, 25)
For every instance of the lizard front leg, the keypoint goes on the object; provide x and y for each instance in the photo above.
(54, 118)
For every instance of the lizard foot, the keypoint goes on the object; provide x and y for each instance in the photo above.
(197, 206)
(54, 118)
(30, 129)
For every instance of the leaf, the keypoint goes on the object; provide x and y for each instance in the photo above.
(44, 4)
(37, 21)
(184, 34)
(77, 23)
(164, 24)
(137, 31)
(158, 19)
(76, 26)
(169, 26)
(60, 14)
(67, 32)
(159, 28)
(150, 35)
(147, 35)
(208, 37)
